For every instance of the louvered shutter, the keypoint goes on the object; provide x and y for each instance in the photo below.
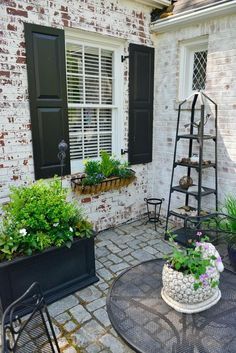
(90, 97)
(141, 80)
(45, 50)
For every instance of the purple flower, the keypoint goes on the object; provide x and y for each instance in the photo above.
(203, 277)
(199, 234)
(219, 264)
(198, 244)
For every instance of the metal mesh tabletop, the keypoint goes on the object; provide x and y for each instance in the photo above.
(149, 325)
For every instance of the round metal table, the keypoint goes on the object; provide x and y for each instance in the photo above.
(149, 325)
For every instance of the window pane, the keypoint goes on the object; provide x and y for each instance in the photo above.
(91, 61)
(199, 70)
(74, 89)
(74, 68)
(91, 90)
(105, 120)
(75, 133)
(90, 145)
(90, 120)
(74, 59)
(106, 63)
(105, 142)
(106, 91)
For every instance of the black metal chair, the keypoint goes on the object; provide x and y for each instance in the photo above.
(35, 334)
(217, 226)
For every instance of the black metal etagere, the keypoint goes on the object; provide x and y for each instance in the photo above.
(200, 137)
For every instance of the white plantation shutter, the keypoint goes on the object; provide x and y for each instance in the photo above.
(90, 85)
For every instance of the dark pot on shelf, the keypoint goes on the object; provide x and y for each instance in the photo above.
(232, 255)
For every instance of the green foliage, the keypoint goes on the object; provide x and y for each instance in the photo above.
(96, 171)
(39, 216)
(190, 261)
(108, 164)
(92, 168)
(230, 208)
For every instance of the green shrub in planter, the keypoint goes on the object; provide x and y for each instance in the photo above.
(39, 216)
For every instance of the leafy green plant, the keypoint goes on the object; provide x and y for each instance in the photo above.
(39, 216)
(97, 171)
(92, 167)
(230, 208)
(108, 164)
(193, 261)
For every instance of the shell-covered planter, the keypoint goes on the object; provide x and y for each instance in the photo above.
(179, 293)
(178, 288)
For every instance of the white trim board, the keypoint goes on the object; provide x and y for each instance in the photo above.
(154, 3)
(195, 16)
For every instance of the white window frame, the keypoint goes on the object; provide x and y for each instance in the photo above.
(117, 46)
(187, 50)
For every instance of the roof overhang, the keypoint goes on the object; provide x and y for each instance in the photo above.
(154, 3)
(194, 16)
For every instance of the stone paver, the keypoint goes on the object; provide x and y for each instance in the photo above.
(80, 320)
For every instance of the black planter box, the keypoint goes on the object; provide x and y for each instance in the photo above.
(59, 271)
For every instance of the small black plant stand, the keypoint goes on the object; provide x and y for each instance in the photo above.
(153, 210)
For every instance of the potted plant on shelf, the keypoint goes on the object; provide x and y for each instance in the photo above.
(191, 277)
(47, 239)
(230, 208)
(106, 174)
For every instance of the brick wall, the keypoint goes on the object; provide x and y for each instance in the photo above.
(220, 86)
(121, 19)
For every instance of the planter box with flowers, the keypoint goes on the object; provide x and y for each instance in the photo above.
(104, 175)
(46, 239)
(191, 278)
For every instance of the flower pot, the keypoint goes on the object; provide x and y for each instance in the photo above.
(179, 293)
(59, 271)
(232, 255)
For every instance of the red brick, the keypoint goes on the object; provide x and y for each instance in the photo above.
(64, 8)
(11, 27)
(15, 12)
(86, 199)
(21, 60)
(5, 73)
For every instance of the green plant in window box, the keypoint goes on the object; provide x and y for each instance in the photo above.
(39, 216)
(103, 175)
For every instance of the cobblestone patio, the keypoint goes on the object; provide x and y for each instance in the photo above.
(81, 321)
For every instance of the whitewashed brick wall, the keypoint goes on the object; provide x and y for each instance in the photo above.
(220, 86)
(121, 19)
(130, 21)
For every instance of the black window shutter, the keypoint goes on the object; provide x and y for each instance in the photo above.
(141, 80)
(45, 51)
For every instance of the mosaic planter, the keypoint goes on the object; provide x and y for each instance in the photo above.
(106, 185)
(179, 293)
